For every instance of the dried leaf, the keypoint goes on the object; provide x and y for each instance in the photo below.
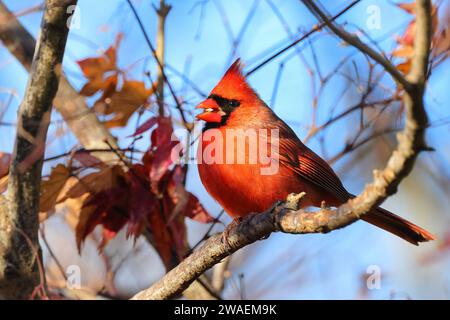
(87, 159)
(106, 178)
(186, 204)
(405, 67)
(109, 88)
(94, 69)
(442, 43)
(124, 103)
(106, 208)
(92, 87)
(407, 39)
(5, 161)
(408, 7)
(3, 184)
(147, 125)
(159, 158)
(142, 200)
(179, 232)
(51, 187)
(168, 226)
(149, 195)
(403, 52)
(406, 42)
(195, 210)
(162, 237)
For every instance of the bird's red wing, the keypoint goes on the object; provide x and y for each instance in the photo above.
(308, 165)
(317, 170)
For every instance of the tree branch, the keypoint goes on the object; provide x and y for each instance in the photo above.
(186, 124)
(303, 37)
(283, 217)
(354, 41)
(162, 13)
(83, 122)
(199, 289)
(18, 259)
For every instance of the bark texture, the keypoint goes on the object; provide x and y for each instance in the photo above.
(19, 247)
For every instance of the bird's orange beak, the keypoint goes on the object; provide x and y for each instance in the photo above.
(212, 113)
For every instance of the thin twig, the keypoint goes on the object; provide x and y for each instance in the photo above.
(305, 36)
(186, 124)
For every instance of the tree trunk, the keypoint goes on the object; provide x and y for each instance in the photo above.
(19, 247)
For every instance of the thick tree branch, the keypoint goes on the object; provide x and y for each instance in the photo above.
(19, 227)
(283, 217)
(83, 122)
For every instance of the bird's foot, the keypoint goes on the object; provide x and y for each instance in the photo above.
(228, 228)
(292, 202)
(275, 206)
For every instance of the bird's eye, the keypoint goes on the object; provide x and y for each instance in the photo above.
(227, 105)
(234, 103)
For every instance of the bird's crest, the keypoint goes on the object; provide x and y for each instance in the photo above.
(233, 84)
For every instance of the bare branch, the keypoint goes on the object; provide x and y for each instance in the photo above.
(84, 123)
(162, 12)
(186, 124)
(357, 43)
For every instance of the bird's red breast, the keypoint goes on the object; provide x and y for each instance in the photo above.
(246, 187)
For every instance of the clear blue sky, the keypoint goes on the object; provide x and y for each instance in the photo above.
(316, 266)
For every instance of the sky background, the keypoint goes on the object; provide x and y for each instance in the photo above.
(198, 36)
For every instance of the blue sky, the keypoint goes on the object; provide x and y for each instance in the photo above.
(314, 266)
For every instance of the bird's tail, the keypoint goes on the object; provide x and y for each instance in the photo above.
(397, 225)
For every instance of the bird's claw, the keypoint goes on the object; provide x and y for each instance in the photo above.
(226, 232)
(292, 202)
(277, 204)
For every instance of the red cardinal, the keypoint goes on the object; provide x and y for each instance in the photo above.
(242, 188)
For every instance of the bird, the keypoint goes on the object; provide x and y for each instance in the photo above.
(242, 188)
